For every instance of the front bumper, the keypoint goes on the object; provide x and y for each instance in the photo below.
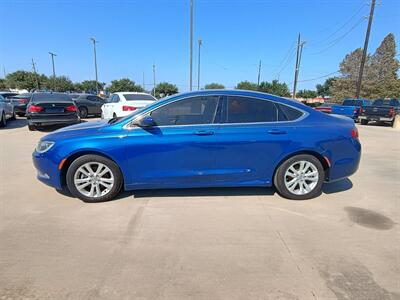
(47, 169)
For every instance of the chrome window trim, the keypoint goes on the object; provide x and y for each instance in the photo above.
(305, 114)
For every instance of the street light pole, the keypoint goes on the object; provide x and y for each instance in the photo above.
(54, 69)
(95, 63)
(191, 45)
(198, 65)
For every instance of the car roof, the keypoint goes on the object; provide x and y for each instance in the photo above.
(137, 93)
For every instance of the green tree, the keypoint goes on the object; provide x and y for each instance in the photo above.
(214, 86)
(306, 94)
(275, 87)
(21, 80)
(345, 86)
(246, 85)
(124, 85)
(61, 84)
(325, 88)
(164, 89)
(89, 86)
(3, 84)
(384, 69)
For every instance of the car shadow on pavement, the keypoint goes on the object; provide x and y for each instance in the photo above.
(337, 186)
(54, 127)
(14, 124)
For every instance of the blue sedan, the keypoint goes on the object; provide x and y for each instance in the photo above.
(212, 138)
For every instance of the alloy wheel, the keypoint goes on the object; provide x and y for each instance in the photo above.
(94, 179)
(301, 177)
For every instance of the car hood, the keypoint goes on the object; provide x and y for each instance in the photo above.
(82, 129)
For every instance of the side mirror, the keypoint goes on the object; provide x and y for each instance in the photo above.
(145, 122)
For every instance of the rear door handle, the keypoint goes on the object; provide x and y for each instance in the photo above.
(204, 132)
(276, 131)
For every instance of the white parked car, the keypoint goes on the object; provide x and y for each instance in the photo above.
(6, 111)
(124, 103)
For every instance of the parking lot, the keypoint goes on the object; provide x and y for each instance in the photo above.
(245, 243)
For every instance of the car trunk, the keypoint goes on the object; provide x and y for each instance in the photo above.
(54, 108)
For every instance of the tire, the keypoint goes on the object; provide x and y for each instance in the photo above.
(20, 114)
(13, 117)
(3, 120)
(364, 122)
(31, 127)
(83, 112)
(79, 170)
(297, 190)
(114, 115)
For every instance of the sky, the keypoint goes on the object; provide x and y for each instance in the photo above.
(236, 35)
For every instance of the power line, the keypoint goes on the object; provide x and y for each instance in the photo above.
(316, 78)
(343, 25)
(284, 59)
(337, 40)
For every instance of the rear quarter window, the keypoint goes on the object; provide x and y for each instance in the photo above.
(289, 113)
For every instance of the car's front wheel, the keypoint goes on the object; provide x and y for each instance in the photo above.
(364, 122)
(94, 178)
(83, 112)
(300, 177)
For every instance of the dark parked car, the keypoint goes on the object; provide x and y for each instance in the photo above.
(88, 104)
(381, 110)
(214, 138)
(46, 109)
(20, 103)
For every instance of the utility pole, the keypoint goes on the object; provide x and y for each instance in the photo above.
(34, 71)
(259, 73)
(300, 45)
(154, 80)
(191, 46)
(198, 65)
(95, 63)
(4, 71)
(144, 87)
(361, 71)
(54, 69)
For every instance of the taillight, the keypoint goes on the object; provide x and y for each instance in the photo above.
(354, 133)
(391, 111)
(71, 108)
(35, 109)
(356, 110)
(23, 101)
(128, 108)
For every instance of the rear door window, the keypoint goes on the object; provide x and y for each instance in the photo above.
(250, 110)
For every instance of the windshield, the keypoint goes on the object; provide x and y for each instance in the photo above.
(133, 97)
(50, 97)
(381, 102)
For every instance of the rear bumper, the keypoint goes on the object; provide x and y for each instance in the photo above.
(47, 121)
(376, 118)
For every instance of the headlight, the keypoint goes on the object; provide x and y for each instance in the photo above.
(44, 146)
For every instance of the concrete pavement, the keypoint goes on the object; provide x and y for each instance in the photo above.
(203, 243)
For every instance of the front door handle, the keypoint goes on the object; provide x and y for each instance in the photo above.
(277, 131)
(204, 132)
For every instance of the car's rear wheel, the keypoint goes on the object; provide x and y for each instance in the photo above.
(364, 122)
(83, 112)
(94, 178)
(300, 177)
(31, 127)
(3, 120)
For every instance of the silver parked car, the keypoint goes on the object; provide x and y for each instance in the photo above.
(6, 111)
